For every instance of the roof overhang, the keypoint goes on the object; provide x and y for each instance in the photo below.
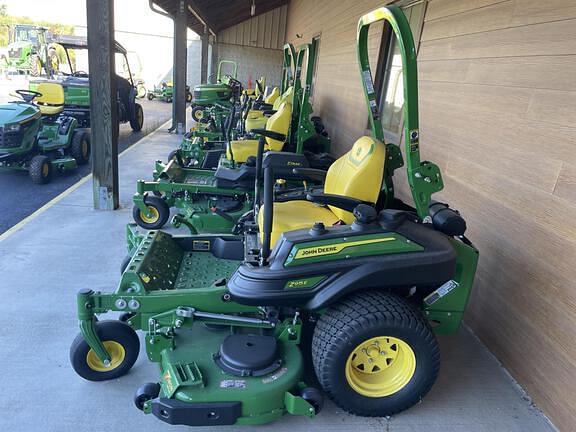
(217, 15)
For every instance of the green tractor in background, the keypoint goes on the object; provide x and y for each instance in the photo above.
(36, 137)
(221, 92)
(29, 50)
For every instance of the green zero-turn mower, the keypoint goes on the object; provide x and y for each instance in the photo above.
(218, 201)
(77, 88)
(208, 200)
(206, 95)
(36, 137)
(305, 135)
(209, 135)
(228, 319)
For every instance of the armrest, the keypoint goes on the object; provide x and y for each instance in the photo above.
(312, 174)
(269, 134)
(268, 113)
(342, 202)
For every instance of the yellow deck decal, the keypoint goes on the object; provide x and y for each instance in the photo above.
(316, 251)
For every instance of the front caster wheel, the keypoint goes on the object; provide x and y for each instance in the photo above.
(375, 354)
(145, 393)
(159, 213)
(121, 342)
(314, 397)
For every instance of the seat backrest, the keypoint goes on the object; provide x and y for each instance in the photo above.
(279, 122)
(273, 96)
(260, 84)
(357, 174)
(285, 97)
(52, 100)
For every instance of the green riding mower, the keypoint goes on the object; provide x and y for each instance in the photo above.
(230, 320)
(36, 137)
(165, 92)
(205, 95)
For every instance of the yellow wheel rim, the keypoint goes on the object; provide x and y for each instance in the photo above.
(199, 114)
(117, 355)
(154, 215)
(45, 170)
(380, 366)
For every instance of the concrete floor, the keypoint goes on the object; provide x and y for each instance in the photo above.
(70, 246)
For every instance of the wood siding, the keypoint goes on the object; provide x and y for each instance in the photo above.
(498, 114)
(262, 31)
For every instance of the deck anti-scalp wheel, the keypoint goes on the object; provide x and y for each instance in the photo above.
(145, 393)
(159, 213)
(121, 342)
(375, 354)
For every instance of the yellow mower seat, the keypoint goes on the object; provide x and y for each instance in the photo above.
(357, 174)
(279, 122)
(256, 118)
(255, 122)
(52, 100)
(274, 94)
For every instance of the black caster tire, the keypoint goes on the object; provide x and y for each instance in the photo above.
(40, 169)
(314, 397)
(122, 343)
(80, 147)
(198, 114)
(375, 354)
(160, 213)
(145, 393)
(124, 264)
(137, 121)
(150, 96)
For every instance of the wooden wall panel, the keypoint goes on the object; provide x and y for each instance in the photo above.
(262, 31)
(498, 115)
(497, 85)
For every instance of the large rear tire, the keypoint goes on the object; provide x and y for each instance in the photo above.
(35, 65)
(40, 169)
(375, 354)
(137, 121)
(80, 147)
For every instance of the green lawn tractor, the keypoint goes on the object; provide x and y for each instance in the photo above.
(77, 87)
(165, 92)
(36, 137)
(28, 50)
(222, 91)
(230, 319)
